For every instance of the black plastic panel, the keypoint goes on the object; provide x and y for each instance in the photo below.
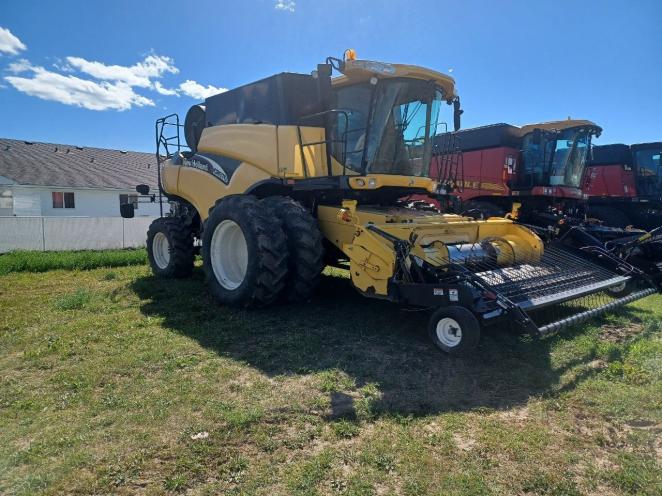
(493, 136)
(281, 99)
(611, 154)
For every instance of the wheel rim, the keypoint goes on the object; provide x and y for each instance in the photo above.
(618, 288)
(161, 250)
(229, 254)
(449, 332)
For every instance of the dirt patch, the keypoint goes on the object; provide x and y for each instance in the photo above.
(516, 415)
(464, 442)
(619, 334)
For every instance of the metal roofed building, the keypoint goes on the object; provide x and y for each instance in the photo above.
(55, 180)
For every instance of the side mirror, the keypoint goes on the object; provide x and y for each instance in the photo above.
(127, 211)
(536, 136)
(143, 189)
(457, 113)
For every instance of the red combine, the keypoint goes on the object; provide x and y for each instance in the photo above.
(533, 172)
(624, 185)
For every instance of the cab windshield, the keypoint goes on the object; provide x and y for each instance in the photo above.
(386, 128)
(558, 158)
(649, 171)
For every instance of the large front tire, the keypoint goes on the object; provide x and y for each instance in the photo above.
(304, 245)
(170, 248)
(244, 253)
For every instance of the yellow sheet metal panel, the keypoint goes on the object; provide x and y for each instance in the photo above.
(291, 153)
(357, 71)
(202, 189)
(372, 258)
(252, 143)
(375, 181)
(336, 225)
(169, 178)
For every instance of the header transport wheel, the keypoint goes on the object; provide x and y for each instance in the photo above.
(170, 247)
(454, 329)
(244, 253)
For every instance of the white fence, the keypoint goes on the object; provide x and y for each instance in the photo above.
(72, 233)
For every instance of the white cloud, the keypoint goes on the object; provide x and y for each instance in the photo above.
(165, 91)
(99, 86)
(9, 43)
(62, 66)
(198, 91)
(72, 90)
(139, 74)
(21, 65)
(288, 5)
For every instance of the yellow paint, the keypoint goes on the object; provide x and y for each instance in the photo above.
(372, 258)
(203, 190)
(290, 160)
(357, 71)
(252, 143)
(390, 180)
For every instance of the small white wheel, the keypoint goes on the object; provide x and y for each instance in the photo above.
(161, 250)
(454, 329)
(620, 290)
(449, 332)
(229, 254)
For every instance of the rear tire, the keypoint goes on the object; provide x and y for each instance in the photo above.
(244, 253)
(305, 259)
(170, 247)
(454, 330)
(610, 216)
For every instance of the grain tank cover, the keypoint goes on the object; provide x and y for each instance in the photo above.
(493, 136)
(611, 155)
(281, 100)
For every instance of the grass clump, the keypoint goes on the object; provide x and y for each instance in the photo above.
(37, 261)
(74, 301)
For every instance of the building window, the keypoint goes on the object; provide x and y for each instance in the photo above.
(6, 199)
(63, 200)
(124, 199)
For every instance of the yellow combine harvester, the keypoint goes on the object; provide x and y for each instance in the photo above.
(295, 171)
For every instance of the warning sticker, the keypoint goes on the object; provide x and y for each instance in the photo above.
(438, 291)
(452, 295)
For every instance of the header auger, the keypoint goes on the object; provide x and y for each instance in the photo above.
(295, 171)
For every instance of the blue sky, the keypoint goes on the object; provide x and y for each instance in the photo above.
(98, 73)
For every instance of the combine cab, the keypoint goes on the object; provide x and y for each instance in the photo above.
(533, 173)
(624, 185)
(295, 171)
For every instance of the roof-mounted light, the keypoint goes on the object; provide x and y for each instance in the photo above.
(350, 54)
(371, 66)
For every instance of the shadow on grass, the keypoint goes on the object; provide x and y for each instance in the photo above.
(372, 341)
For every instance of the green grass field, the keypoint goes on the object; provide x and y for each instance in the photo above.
(113, 382)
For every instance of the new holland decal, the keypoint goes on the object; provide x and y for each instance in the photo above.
(206, 164)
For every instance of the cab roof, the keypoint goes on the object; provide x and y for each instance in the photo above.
(356, 71)
(558, 126)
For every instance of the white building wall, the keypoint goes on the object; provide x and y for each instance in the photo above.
(38, 201)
